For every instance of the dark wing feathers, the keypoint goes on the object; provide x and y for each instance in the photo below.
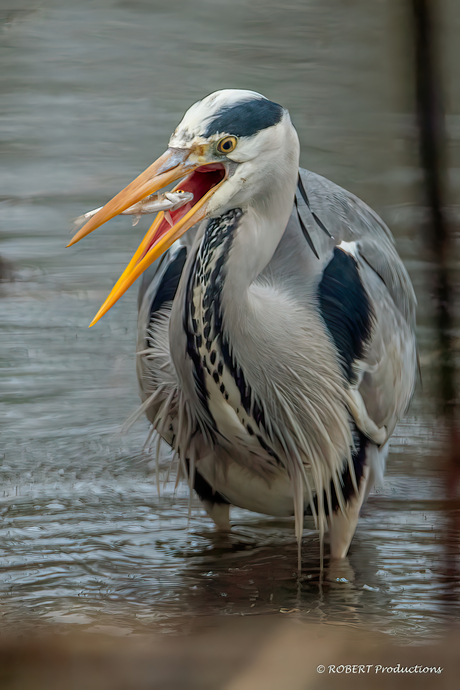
(167, 287)
(346, 309)
(347, 218)
(302, 215)
(303, 195)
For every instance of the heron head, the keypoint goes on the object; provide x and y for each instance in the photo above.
(230, 150)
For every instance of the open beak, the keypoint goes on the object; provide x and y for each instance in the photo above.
(202, 180)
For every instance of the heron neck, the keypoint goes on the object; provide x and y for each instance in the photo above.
(254, 242)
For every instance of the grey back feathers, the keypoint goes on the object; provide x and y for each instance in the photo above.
(349, 219)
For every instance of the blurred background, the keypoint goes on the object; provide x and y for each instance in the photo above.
(90, 93)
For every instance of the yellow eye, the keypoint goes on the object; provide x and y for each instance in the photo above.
(227, 144)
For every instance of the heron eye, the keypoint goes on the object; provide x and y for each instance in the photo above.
(227, 144)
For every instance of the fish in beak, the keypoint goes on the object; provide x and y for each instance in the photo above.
(151, 204)
(202, 180)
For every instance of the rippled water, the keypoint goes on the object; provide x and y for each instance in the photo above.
(90, 96)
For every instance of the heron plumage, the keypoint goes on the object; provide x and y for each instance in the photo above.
(276, 346)
(294, 264)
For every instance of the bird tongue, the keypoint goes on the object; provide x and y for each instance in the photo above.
(199, 182)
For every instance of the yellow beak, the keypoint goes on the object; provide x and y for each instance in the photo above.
(203, 181)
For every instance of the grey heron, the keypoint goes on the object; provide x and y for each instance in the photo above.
(276, 321)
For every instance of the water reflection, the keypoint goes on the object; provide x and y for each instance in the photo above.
(90, 98)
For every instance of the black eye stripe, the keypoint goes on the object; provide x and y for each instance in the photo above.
(245, 118)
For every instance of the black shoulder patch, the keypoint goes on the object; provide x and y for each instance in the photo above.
(345, 307)
(170, 281)
(245, 118)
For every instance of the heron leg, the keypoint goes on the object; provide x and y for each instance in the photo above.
(219, 514)
(342, 524)
(216, 505)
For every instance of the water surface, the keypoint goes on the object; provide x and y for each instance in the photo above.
(89, 99)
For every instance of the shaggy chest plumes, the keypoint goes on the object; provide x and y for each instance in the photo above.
(231, 409)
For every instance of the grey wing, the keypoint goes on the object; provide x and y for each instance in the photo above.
(156, 374)
(384, 371)
(331, 210)
(160, 300)
(155, 370)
